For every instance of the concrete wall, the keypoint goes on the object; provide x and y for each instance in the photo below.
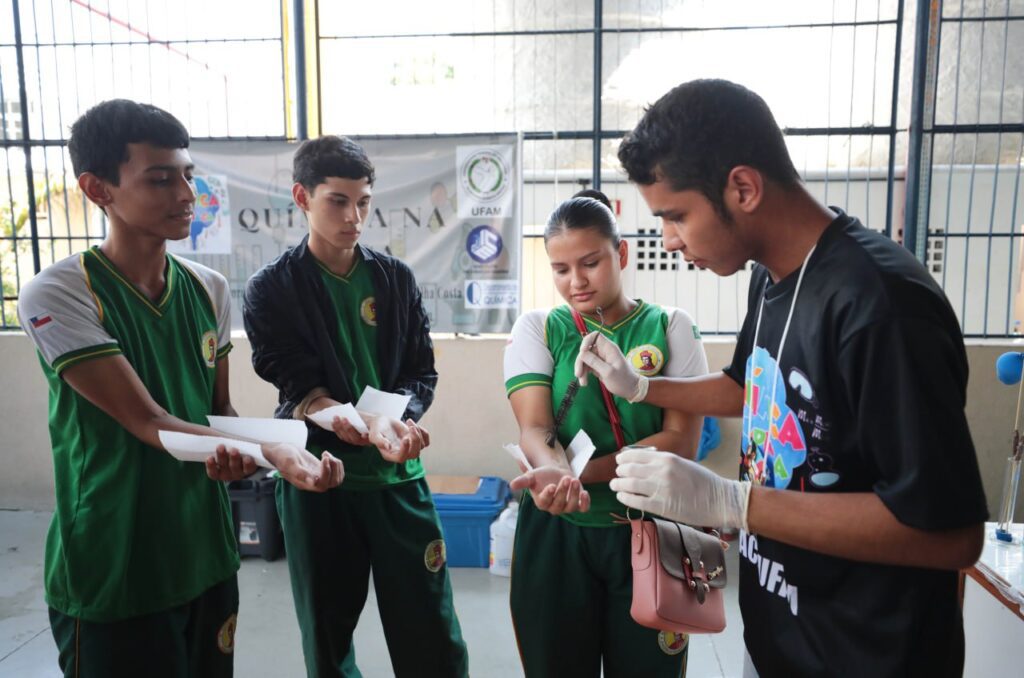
(469, 422)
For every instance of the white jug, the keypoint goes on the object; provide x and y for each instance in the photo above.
(503, 532)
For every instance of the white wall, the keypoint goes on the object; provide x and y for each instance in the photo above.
(469, 422)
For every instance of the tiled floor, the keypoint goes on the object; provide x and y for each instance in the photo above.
(268, 636)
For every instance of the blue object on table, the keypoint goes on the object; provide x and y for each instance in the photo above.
(1009, 366)
(710, 437)
(466, 521)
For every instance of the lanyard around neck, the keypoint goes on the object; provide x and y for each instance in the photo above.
(778, 356)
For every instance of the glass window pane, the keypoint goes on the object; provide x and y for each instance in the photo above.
(976, 9)
(980, 75)
(703, 14)
(455, 85)
(972, 191)
(215, 89)
(415, 17)
(810, 77)
(147, 20)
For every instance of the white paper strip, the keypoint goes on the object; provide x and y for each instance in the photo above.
(388, 404)
(579, 452)
(262, 430)
(188, 447)
(325, 417)
(518, 455)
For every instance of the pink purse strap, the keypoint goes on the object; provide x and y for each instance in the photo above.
(609, 404)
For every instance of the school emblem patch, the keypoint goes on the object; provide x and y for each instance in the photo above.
(208, 346)
(435, 555)
(368, 311)
(672, 643)
(226, 635)
(646, 359)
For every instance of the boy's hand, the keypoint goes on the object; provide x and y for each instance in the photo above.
(554, 489)
(348, 433)
(302, 469)
(665, 484)
(229, 464)
(398, 442)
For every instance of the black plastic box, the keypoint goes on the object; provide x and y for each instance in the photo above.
(257, 526)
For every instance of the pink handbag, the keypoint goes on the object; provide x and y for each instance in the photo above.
(678, 577)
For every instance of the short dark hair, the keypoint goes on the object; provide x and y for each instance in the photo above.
(586, 209)
(698, 132)
(330, 156)
(100, 137)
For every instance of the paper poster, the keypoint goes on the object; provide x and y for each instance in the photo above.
(210, 232)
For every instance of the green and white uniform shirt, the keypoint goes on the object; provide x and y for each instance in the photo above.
(657, 341)
(352, 296)
(135, 531)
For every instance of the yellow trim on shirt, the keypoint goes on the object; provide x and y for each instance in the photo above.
(168, 287)
(59, 367)
(640, 304)
(88, 285)
(347, 278)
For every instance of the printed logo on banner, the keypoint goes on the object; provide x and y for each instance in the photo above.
(484, 244)
(485, 174)
(210, 231)
(492, 294)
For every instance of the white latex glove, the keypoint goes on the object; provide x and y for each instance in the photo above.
(667, 485)
(603, 358)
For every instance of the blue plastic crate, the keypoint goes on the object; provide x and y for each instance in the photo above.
(466, 521)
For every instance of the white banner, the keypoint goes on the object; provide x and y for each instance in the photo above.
(447, 206)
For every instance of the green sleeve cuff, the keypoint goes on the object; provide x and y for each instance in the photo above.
(224, 350)
(70, 358)
(523, 380)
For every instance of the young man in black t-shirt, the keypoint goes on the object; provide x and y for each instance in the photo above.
(859, 494)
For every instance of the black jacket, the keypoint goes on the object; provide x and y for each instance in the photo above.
(292, 327)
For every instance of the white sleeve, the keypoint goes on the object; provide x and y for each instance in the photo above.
(685, 350)
(220, 292)
(63, 318)
(528, 360)
(217, 288)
